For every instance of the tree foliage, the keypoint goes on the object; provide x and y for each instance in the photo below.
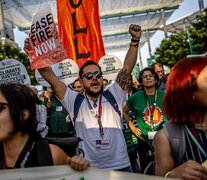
(199, 33)
(177, 46)
(173, 49)
(8, 51)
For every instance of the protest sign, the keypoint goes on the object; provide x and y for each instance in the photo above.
(110, 66)
(46, 46)
(66, 71)
(12, 70)
(65, 172)
(79, 28)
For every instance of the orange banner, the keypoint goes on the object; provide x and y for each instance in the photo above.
(79, 29)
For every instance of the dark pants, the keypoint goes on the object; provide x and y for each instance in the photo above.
(146, 156)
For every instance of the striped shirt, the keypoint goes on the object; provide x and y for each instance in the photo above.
(192, 152)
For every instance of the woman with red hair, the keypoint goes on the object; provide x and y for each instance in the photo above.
(185, 104)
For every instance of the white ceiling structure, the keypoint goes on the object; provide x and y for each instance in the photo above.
(178, 26)
(115, 17)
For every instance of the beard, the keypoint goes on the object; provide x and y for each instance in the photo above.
(91, 93)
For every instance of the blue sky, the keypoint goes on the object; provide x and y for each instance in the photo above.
(187, 7)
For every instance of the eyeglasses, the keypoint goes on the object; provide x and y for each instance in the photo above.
(2, 105)
(89, 75)
(148, 75)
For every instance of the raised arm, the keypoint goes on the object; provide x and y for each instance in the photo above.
(131, 57)
(58, 86)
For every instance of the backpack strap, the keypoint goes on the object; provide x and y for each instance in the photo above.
(43, 153)
(110, 97)
(78, 100)
(107, 94)
(176, 138)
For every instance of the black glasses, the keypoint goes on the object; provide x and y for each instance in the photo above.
(2, 105)
(148, 75)
(89, 75)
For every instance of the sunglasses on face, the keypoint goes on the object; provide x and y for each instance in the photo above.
(89, 75)
(148, 75)
(2, 105)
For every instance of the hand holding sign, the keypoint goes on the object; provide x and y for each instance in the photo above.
(46, 46)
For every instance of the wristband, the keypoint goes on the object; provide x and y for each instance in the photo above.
(135, 40)
(167, 174)
(134, 44)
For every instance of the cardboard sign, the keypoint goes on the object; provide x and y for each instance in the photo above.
(66, 71)
(12, 70)
(110, 66)
(47, 48)
(79, 28)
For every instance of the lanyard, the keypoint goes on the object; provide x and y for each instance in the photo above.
(24, 155)
(98, 117)
(191, 132)
(151, 110)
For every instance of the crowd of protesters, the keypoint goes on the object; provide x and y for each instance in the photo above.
(125, 126)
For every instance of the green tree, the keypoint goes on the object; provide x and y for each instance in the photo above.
(8, 51)
(173, 49)
(199, 33)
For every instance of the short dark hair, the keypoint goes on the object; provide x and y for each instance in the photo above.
(20, 98)
(153, 65)
(76, 81)
(87, 64)
(106, 80)
(140, 79)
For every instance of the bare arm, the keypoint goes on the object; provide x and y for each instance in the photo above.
(164, 162)
(131, 57)
(163, 159)
(58, 86)
(134, 129)
(60, 158)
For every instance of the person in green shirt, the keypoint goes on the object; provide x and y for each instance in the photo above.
(147, 105)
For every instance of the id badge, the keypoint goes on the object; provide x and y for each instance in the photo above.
(102, 144)
(151, 135)
(59, 108)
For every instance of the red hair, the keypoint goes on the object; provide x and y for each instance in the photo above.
(178, 103)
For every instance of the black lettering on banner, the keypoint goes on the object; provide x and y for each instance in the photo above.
(44, 24)
(81, 55)
(32, 29)
(42, 35)
(77, 31)
(74, 6)
(40, 30)
(38, 26)
(49, 18)
(47, 30)
(83, 30)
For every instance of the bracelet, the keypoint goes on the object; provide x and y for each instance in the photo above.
(136, 45)
(134, 40)
(168, 173)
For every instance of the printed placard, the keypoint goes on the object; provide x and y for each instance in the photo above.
(66, 71)
(46, 46)
(12, 70)
(110, 66)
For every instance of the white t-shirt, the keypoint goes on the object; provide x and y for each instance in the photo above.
(111, 151)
